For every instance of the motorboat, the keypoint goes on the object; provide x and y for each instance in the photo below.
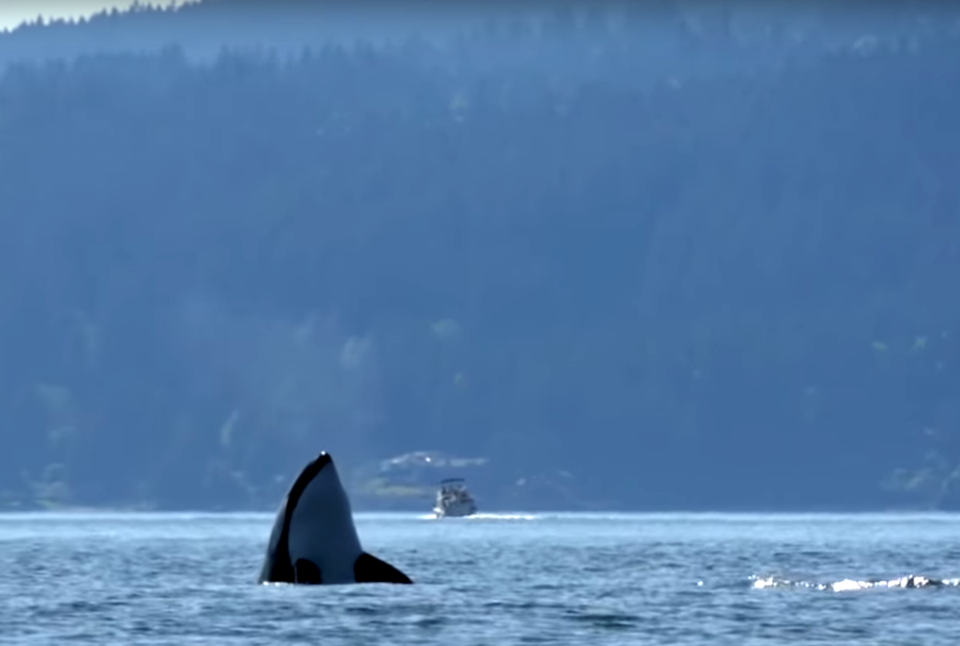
(454, 500)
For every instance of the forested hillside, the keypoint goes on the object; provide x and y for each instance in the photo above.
(569, 38)
(709, 291)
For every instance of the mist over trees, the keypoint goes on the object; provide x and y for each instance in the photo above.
(687, 284)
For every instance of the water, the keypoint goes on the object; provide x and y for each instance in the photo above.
(541, 579)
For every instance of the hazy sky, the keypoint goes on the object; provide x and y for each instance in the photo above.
(14, 12)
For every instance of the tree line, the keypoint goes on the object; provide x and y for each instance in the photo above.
(726, 290)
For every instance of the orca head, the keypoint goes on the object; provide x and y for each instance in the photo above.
(314, 539)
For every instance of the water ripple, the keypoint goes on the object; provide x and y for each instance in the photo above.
(516, 579)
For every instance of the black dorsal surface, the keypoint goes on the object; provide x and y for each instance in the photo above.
(307, 572)
(370, 569)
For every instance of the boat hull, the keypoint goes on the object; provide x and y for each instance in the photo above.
(455, 511)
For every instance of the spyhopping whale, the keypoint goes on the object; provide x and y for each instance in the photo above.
(314, 539)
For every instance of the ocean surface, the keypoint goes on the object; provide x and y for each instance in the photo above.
(585, 579)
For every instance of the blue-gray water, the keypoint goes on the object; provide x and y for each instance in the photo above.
(182, 579)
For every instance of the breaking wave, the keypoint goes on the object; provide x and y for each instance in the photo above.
(852, 585)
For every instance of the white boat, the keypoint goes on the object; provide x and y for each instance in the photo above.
(453, 499)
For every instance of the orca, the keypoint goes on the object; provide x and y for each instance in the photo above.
(314, 540)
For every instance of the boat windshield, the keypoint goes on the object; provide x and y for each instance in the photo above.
(453, 487)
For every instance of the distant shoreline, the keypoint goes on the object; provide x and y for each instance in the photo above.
(732, 511)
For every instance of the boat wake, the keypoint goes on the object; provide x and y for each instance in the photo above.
(851, 585)
(482, 517)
